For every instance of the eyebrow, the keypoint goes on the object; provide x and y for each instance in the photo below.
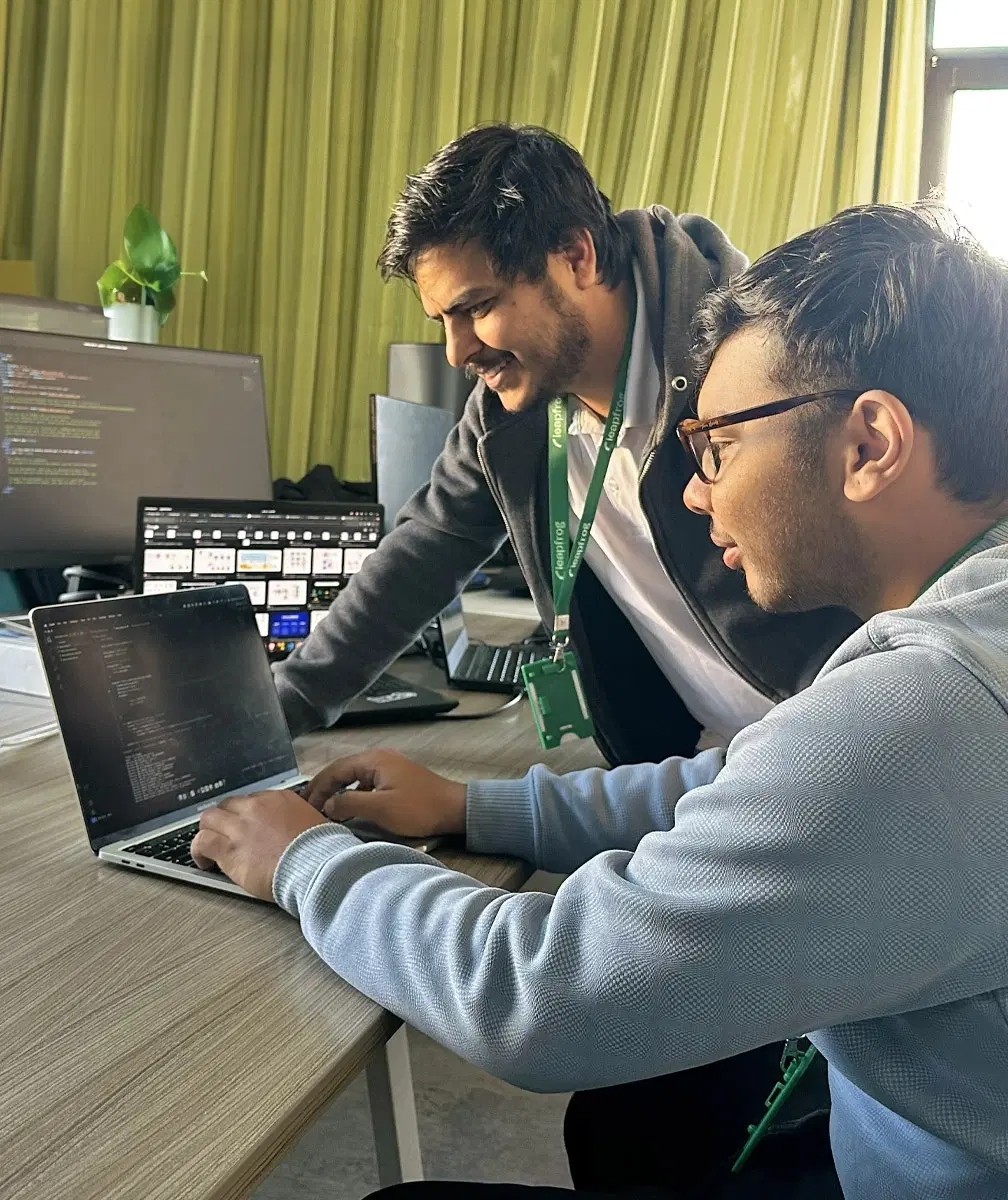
(465, 300)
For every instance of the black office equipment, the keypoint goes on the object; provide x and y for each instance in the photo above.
(87, 426)
(406, 439)
(166, 705)
(52, 316)
(479, 666)
(419, 371)
(292, 558)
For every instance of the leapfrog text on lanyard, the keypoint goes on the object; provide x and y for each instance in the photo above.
(553, 684)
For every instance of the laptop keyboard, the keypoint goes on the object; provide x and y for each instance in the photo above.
(495, 664)
(387, 685)
(173, 847)
(170, 847)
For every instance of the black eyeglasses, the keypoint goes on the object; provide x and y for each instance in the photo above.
(695, 434)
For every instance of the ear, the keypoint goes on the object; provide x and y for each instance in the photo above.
(579, 258)
(878, 440)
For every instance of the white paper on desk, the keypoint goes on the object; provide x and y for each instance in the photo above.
(20, 665)
(20, 713)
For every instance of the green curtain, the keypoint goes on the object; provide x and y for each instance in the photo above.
(271, 137)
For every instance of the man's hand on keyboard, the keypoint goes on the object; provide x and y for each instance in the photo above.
(246, 835)
(393, 792)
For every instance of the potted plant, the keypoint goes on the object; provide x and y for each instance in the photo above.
(137, 291)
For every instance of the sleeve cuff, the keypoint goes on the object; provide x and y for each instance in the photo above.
(303, 859)
(499, 817)
(299, 714)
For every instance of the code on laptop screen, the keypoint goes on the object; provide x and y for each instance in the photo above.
(164, 701)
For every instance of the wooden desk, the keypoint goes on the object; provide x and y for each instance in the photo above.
(163, 1041)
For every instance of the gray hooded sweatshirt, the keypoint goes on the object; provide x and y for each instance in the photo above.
(843, 871)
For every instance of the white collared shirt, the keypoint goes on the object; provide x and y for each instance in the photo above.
(622, 555)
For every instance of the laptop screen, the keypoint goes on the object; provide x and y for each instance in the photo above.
(164, 701)
(454, 635)
(293, 558)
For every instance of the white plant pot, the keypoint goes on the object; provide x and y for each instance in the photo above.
(132, 322)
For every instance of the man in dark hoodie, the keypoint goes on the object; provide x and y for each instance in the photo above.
(514, 250)
(543, 292)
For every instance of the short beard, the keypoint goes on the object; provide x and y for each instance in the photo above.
(819, 563)
(573, 346)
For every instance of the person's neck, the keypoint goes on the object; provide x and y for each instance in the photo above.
(595, 383)
(914, 562)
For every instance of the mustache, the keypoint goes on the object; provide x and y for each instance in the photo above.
(486, 364)
(720, 539)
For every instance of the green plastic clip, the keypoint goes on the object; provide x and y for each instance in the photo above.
(795, 1061)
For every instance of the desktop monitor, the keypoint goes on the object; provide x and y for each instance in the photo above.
(419, 371)
(52, 316)
(406, 439)
(87, 426)
(293, 557)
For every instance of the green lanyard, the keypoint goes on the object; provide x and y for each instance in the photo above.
(565, 558)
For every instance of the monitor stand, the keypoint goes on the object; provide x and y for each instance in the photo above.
(85, 583)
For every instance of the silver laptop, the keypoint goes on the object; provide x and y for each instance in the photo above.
(167, 705)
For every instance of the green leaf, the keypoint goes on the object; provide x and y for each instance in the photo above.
(113, 280)
(151, 256)
(164, 302)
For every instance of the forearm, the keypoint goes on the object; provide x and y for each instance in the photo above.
(416, 572)
(771, 908)
(519, 984)
(446, 531)
(559, 822)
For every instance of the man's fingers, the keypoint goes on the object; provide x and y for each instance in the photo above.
(223, 816)
(209, 846)
(230, 804)
(354, 768)
(355, 802)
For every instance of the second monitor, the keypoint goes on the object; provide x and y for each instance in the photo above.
(294, 558)
(87, 426)
(406, 439)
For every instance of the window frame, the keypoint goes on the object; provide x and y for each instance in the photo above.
(948, 72)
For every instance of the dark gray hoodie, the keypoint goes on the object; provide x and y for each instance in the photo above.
(490, 484)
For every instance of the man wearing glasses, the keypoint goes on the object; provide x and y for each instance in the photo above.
(840, 870)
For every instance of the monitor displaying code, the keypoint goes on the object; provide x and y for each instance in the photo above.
(87, 426)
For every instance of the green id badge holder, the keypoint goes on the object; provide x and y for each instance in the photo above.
(557, 700)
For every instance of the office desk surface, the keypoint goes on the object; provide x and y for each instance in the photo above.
(160, 1040)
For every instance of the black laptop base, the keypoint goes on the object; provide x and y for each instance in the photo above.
(494, 668)
(390, 698)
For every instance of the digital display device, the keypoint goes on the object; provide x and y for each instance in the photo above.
(292, 558)
(163, 703)
(406, 439)
(87, 426)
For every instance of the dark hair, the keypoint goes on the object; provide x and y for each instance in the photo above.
(520, 191)
(894, 297)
